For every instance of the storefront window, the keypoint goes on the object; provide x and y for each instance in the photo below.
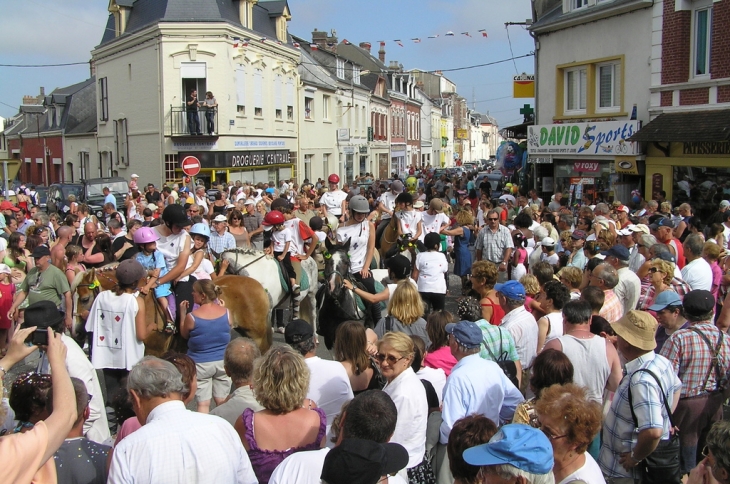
(587, 182)
(702, 188)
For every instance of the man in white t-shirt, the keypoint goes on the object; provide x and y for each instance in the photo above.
(371, 416)
(697, 272)
(329, 385)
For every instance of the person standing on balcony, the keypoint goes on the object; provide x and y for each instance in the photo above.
(211, 106)
(193, 120)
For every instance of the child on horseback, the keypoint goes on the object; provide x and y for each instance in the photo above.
(199, 266)
(281, 239)
(153, 262)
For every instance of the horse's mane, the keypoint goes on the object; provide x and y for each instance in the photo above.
(243, 250)
(79, 276)
(337, 247)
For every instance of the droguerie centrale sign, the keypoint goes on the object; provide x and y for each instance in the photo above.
(603, 138)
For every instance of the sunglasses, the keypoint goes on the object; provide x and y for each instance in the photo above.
(654, 269)
(392, 360)
(490, 218)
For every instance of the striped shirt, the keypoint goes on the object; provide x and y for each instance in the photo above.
(619, 431)
(612, 309)
(691, 358)
(493, 244)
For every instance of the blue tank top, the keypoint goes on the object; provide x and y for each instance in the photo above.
(209, 338)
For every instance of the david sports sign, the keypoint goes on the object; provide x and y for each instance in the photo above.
(607, 138)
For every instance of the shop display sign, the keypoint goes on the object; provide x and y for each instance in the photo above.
(590, 139)
(257, 158)
(576, 180)
(586, 166)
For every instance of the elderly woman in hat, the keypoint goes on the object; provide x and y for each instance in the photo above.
(119, 325)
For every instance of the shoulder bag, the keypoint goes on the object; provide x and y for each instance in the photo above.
(508, 366)
(662, 465)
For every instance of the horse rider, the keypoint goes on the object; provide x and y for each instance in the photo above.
(361, 233)
(335, 199)
(386, 205)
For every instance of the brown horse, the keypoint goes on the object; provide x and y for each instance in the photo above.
(245, 298)
(389, 238)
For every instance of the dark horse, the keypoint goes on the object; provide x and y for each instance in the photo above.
(335, 303)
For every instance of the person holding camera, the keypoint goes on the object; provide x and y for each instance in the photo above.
(45, 282)
(44, 314)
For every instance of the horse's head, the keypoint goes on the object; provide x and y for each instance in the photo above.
(336, 265)
(86, 287)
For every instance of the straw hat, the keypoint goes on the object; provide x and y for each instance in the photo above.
(638, 329)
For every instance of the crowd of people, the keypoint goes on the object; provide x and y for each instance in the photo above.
(588, 342)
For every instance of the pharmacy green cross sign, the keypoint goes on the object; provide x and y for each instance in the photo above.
(527, 112)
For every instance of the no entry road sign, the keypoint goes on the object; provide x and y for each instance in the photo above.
(191, 165)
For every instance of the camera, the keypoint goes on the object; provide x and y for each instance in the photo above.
(38, 337)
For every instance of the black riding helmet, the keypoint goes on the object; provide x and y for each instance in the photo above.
(175, 215)
(404, 197)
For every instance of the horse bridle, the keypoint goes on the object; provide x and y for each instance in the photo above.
(347, 277)
(238, 272)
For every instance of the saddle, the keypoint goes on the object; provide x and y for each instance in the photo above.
(302, 277)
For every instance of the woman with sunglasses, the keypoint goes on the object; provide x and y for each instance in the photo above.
(237, 230)
(570, 420)
(395, 355)
(660, 276)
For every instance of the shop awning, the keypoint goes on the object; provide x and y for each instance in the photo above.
(517, 131)
(687, 127)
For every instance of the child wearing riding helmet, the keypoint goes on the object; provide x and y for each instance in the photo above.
(409, 221)
(281, 239)
(361, 234)
(198, 265)
(153, 262)
(429, 270)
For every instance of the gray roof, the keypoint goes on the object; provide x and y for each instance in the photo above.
(80, 115)
(144, 13)
(690, 126)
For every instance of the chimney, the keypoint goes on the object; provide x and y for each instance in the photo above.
(381, 52)
(366, 46)
(325, 41)
(43, 92)
(92, 68)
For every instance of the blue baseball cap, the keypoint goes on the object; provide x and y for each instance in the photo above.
(511, 289)
(618, 251)
(270, 190)
(466, 333)
(661, 222)
(518, 445)
(665, 299)
(666, 256)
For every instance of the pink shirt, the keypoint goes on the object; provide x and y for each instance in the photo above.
(716, 278)
(129, 426)
(441, 358)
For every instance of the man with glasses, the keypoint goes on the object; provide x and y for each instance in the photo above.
(629, 285)
(192, 211)
(622, 451)
(669, 315)
(663, 230)
(44, 282)
(220, 238)
(716, 462)
(494, 244)
(605, 277)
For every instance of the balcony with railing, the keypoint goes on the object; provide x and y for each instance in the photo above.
(182, 123)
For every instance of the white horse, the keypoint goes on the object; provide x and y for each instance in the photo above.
(265, 269)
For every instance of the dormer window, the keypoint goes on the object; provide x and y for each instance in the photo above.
(355, 74)
(340, 69)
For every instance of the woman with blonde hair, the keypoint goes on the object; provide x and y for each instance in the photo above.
(395, 354)
(208, 331)
(405, 313)
(289, 421)
(483, 279)
(570, 420)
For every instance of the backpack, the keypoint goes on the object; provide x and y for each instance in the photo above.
(508, 366)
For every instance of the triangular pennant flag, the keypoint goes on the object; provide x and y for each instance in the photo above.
(263, 39)
(245, 43)
(484, 33)
(314, 46)
(466, 33)
(398, 42)
(449, 34)
(433, 36)
(346, 42)
(416, 40)
(236, 42)
(296, 45)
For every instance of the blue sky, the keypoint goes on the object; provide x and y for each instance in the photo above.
(65, 31)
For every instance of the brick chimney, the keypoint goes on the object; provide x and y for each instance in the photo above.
(381, 52)
(324, 40)
(366, 46)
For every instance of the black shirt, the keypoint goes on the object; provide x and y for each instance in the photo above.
(119, 243)
(152, 197)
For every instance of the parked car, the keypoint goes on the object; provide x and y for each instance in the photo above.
(89, 192)
(470, 167)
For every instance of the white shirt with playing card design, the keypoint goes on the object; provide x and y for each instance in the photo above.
(408, 221)
(112, 320)
(358, 235)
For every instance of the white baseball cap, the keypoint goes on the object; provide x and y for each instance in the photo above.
(4, 269)
(250, 201)
(548, 241)
(134, 175)
(220, 218)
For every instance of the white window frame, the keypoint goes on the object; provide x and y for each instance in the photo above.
(325, 107)
(355, 74)
(579, 110)
(258, 92)
(703, 6)
(579, 4)
(615, 84)
(340, 68)
(309, 107)
(240, 89)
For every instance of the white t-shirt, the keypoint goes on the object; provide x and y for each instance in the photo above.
(306, 467)
(329, 386)
(431, 268)
(408, 221)
(550, 259)
(432, 223)
(112, 320)
(358, 235)
(387, 199)
(280, 237)
(297, 244)
(436, 377)
(333, 200)
(698, 274)
(590, 473)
